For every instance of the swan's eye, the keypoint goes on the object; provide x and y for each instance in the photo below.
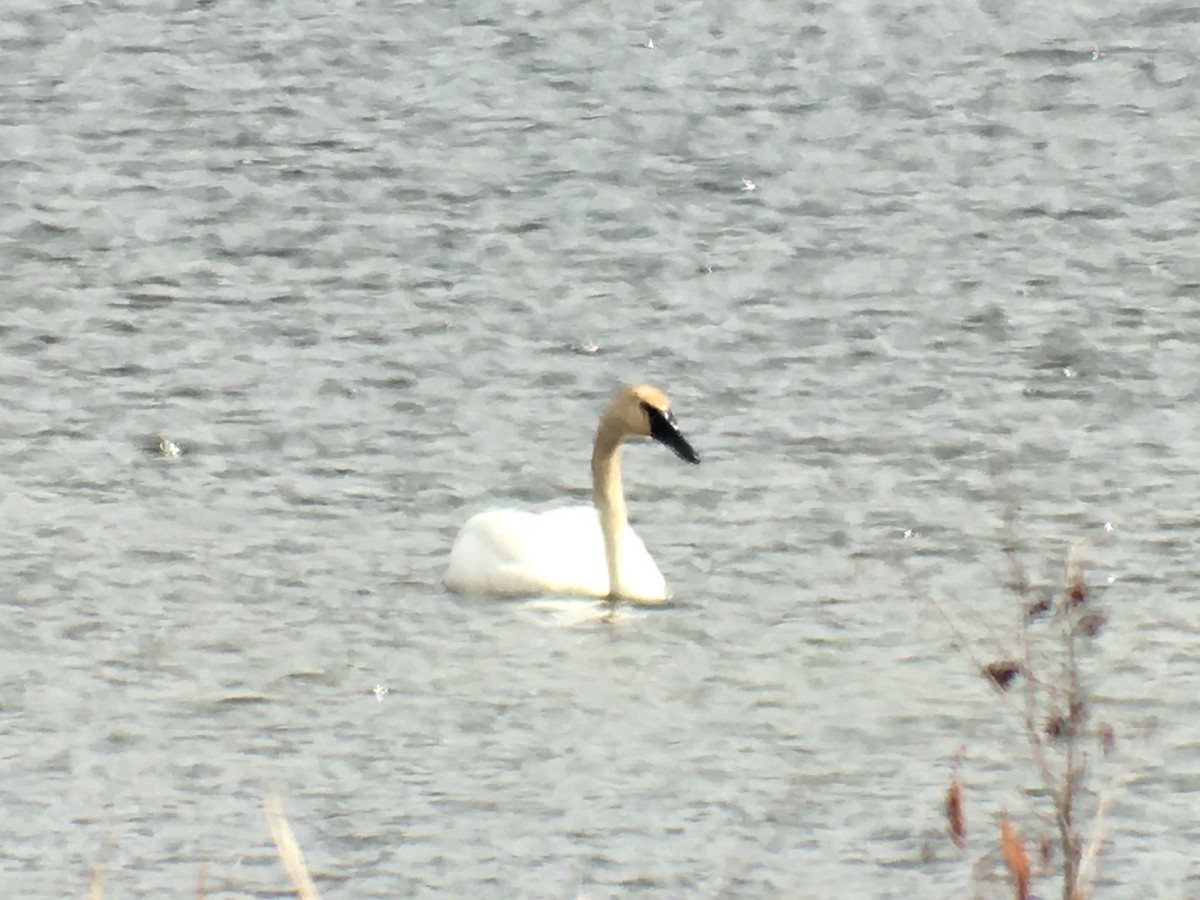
(653, 412)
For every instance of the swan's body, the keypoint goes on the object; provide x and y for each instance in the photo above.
(509, 551)
(578, 550)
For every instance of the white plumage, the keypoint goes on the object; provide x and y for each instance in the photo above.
(509, 551)
(581, 549)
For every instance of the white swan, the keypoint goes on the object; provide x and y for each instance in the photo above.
(579, 550)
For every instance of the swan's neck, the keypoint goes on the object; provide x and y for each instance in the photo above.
(609, 497)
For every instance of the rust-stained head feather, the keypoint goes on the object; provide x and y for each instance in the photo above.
(651, 396)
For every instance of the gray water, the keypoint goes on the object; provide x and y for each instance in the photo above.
(373, 267)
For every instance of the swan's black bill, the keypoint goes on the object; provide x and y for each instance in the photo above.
(664, 430)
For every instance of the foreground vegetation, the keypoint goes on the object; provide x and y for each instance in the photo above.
(1040, 680)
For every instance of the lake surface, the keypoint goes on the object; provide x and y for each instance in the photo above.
(370, 268)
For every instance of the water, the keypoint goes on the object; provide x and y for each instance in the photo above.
(373, 268)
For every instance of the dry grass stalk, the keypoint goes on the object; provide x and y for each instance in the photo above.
(95, 872)
(1087, 860)
(1016, 861)
(288, 849)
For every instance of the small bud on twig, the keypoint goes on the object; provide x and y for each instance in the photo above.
(1001, 672)
(1079, 711)
(1091, 624)
(1038, 609)
(1076, 594)
(1057, 727)
(1046, 851)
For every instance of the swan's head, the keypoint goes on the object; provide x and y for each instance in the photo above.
(643, 410)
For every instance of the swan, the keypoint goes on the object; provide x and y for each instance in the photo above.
(588, 550)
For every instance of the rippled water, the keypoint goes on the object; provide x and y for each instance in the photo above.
(374, 267)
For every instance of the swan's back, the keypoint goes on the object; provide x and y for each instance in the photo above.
(509, 551)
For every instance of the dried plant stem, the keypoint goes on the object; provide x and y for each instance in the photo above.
(1065, 805)
(288, 849)
(96, 869)
(1090, 851)
(1087, 858)
(1063, 786)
